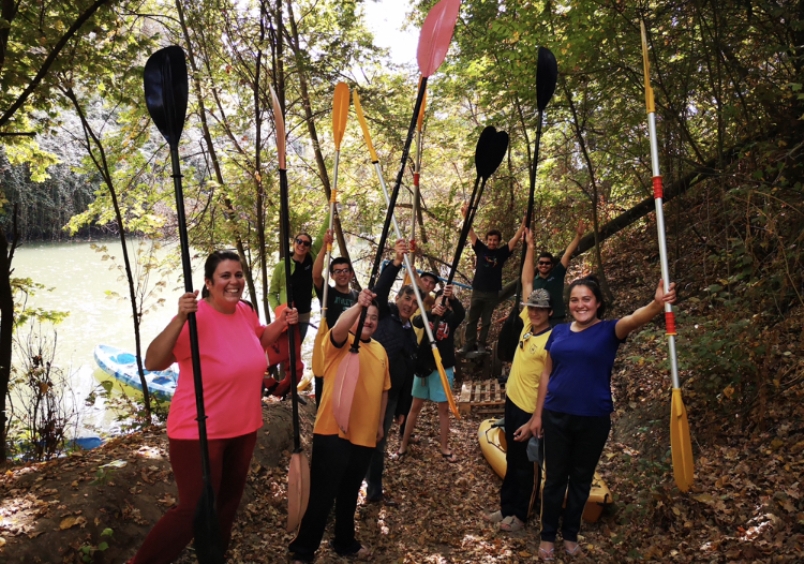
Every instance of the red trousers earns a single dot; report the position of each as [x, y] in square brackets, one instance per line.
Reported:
[229, 461]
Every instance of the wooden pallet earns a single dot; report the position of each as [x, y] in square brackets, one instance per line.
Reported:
[485, 397]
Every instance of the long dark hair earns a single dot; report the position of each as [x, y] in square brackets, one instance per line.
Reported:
[592, 283]
[211, 265]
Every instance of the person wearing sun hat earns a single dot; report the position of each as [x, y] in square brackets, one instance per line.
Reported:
[518, 494]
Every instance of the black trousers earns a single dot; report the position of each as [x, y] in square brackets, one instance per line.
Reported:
[376, 466]
[520, 487]
[572, 448]
[336, 473]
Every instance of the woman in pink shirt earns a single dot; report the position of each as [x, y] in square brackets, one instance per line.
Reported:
[232, 345]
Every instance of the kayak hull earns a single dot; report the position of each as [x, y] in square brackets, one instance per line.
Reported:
[122, 366]
[493, 446]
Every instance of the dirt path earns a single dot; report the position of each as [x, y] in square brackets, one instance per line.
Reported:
[745, 506]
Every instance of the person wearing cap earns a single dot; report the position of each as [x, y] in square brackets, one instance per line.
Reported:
[486, 284]
[426, 281]
[447, 315]
[550, 276]
[518, 494]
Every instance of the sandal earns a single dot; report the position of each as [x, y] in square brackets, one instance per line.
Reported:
[450, 457]
[546, 555]
[573, 550]
[511, 524]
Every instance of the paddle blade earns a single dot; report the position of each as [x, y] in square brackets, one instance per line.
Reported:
[344, 390]
[436, 35]
[318, 351]
[680, 443]
[490, 151]
[364, 126]
[646, 70]
[546, 77]
[207, 537]
[445, 382]
[279, 120]
[340, 113]
[298, 490]
[166, 91]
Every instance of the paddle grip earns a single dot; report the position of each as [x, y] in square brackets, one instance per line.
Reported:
[658, 191]
[670, 323]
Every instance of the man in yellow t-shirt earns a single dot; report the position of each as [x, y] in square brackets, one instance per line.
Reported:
[340, 460]
[520, 485]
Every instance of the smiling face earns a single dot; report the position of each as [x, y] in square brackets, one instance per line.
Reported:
[407, 304]
[226, 286]
[342, 276]
[544, 266]
[492, 241]
[301, 246]
[583, 304]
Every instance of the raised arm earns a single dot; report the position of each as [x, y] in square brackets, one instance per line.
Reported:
[472, 234]
[318, 265]
[388, 275]
[340, 331]
[318, 242]
[579, 231]
[159, 355]
[644, 314]
[527, 265]
[517, 236]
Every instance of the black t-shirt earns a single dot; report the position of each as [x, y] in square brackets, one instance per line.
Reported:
[302, 285]
[488, 272]
[337, 303]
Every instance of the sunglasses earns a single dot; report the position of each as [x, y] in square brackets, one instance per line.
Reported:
[341, 271]
[525, 337]
[545, 262]
[303, 242]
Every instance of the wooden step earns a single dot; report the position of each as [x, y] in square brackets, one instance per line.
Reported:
[486, 397]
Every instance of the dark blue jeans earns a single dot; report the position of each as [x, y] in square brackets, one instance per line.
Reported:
[336, 473]
[377, 465]
[572, 448]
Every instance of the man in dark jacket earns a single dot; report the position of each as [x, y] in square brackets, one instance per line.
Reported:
[395, 333]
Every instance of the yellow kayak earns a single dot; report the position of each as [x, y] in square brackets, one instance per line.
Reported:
[306, 381]
[492, 443]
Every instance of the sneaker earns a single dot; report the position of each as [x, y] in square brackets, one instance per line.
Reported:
[494, 517]
[481, 348]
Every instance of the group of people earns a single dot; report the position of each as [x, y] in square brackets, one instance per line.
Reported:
[558, 387]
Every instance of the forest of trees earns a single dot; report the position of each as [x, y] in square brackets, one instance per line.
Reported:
[77, 149]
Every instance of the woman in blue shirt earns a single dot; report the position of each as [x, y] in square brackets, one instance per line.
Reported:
[574, 404]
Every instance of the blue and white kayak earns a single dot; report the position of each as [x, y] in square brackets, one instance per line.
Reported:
[122, 365]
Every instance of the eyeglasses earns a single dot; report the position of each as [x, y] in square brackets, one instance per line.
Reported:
[545, 263]
[525, 337]
[303, 242]
[341, 271]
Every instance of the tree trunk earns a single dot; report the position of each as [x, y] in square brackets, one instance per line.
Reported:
[323, 175]
[6, 326]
